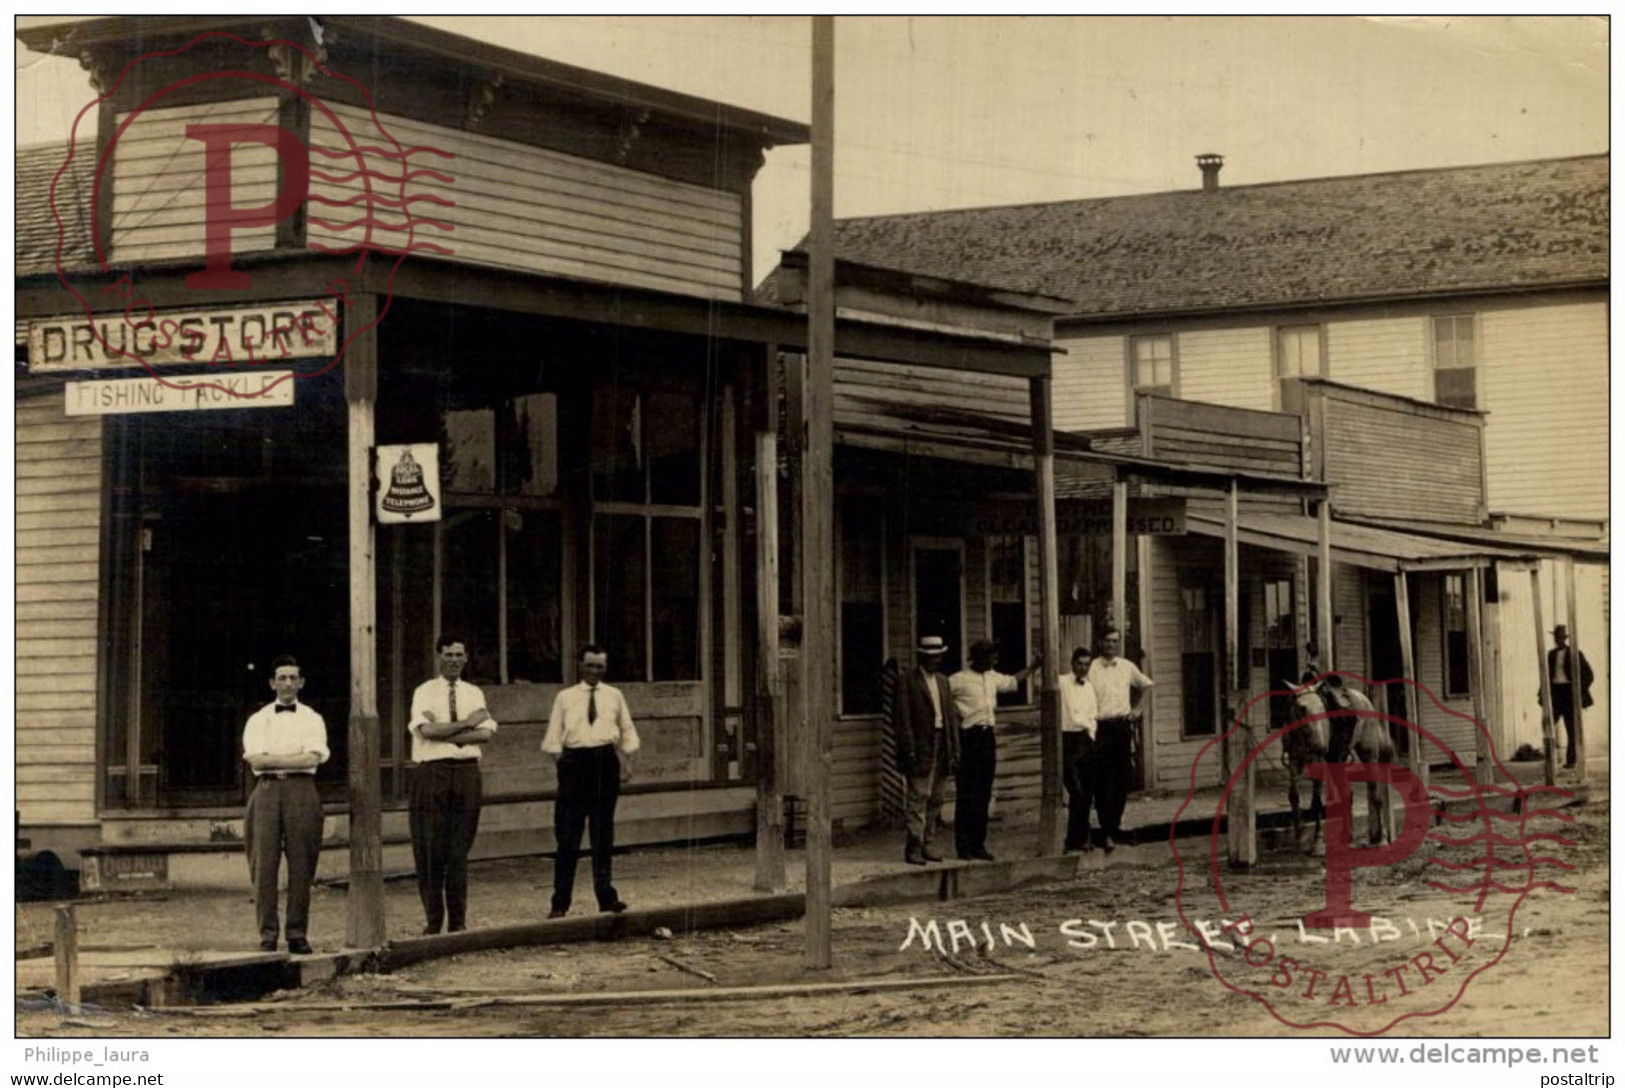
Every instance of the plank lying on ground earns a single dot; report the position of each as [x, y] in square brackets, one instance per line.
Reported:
[744, 993]
[688, 968]
[622, 997]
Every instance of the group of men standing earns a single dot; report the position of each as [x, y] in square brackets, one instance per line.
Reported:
[590, 734]
[945, 727]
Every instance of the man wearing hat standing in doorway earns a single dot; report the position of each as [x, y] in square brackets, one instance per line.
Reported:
[1562, 668]
[976, 692]
[926, 725]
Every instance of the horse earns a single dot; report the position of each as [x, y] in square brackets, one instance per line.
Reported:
[1354, 727]
[1306, 743]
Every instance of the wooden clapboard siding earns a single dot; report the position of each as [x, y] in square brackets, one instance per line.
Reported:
[1349, 613]
[1543, 378]
[57, 570]
[158, 181]
[1386, 354]
[1456, 733]
[855, 771]
[1227, 366]
[874, 395]
[1091, 384]
[1175, 755]
[1390, 458]
[523, 207]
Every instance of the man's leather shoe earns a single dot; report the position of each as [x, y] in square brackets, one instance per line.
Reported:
[431, 931]
[983, 855]
[267, 946]
[927, 855]
[616, 907]
[300, 948]
[456, 928]
[558, 912]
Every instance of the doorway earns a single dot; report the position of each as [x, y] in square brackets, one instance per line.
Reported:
[1383, 654]
[235, 526]
[939, 586]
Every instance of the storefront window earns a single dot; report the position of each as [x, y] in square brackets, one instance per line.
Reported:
[1007, 607]
[863, 635]
[647, 550]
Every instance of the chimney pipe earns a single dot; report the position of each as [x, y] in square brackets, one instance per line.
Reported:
[1210, 164]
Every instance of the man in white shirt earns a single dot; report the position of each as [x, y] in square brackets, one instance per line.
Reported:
[283, 744]
[449, 724]
[1078, 713]
[591, 735]
[1119, 686]
[976, 692]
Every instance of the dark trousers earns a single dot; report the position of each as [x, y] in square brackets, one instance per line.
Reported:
[1563, 708]
[284, 817]
[978, 759]
[1078, 776]
[444, 818]
[589, 786]
[1114, 757]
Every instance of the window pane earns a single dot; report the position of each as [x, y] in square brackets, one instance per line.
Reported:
[676, 598]
[1007, 590]
[535, 653]
[468, 594]
[619, 577]
[1153, 361]
[1298, 350]
[531, 445]
[862, 614]
[674, 448]
[470, 452]
[617, 444]
[1456, 388]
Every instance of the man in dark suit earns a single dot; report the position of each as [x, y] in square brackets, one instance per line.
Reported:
[1561, 668]
[927, 730]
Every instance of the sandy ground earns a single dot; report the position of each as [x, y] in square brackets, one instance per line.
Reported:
[1549, 979]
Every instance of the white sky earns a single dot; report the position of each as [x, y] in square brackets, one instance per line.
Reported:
[938, 112]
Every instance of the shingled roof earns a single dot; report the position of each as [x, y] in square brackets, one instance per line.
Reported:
[1372, 236]
[37, 232]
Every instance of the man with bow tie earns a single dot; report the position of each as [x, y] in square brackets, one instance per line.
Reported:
[449, 725]
[283, 744]
[591, 735]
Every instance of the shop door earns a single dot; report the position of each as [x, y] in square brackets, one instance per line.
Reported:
[1387, 663]
[938, 596]
[240, 529]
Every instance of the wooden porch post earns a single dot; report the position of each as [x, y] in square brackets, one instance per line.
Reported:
[1548, 720]
[1475, 675]
[1579, 753]
[1119, 618]
[1050, 825]
[818, 495]
[1325, 633]
[770, 717]
[364, 926]
[1407, 658]
[1240, 829]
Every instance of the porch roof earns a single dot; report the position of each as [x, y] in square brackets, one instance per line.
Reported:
[1359, 545]
[1593, 551]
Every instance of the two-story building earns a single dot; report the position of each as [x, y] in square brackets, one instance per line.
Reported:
[538, 272]
[1432, 344]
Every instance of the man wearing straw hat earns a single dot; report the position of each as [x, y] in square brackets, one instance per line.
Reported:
[1562, 668]
[926, 726]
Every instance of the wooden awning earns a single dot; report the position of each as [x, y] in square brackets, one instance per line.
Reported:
[1360, 545]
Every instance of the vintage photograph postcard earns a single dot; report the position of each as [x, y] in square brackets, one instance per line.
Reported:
[812, 527]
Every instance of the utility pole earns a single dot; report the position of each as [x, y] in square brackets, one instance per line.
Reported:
[818, 494]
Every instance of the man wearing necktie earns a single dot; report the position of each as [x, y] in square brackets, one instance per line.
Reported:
[283, 744]
[591, 735]
[449, 724]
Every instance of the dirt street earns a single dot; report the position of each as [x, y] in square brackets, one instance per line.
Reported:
[1108, 957]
